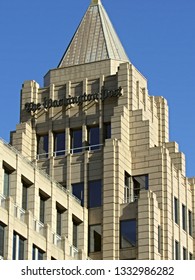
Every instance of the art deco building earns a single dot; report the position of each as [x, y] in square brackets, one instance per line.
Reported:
[90, 172]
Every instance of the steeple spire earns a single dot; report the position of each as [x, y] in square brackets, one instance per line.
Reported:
[94, 40]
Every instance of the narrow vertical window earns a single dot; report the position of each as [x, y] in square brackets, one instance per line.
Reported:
[184, 253]
[107, 130]
[127, 188]
[183, 217]
[95, 238]
[2, 236]
[76, 140]
[6, 183]
[75, 234]
[24, 195]
[42, 146]
[42, 209]
[59, 213]
[177, 253]
[94, 137]
[176, 210]
[95, 193]
[190, 222]
[59, 144]
[159, 239]
[190, 256]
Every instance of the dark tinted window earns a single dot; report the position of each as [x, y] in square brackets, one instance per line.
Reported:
[176, 210]
[94, 137]
[1, 240]
[76, 140]
[107, 130]
[42, 146]
[59, 144]
[95, 194]
[183, 217]
[78, 191]
[6, 183]
[128, 233]
[190, 222]
[95, 237]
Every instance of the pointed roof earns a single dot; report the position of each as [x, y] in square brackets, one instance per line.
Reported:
[95, 39]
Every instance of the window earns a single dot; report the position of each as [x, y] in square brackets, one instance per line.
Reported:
[18, 247]
[94, 137]
[6, 183]
[59, 213]
[176, 210]
[190, 256]
[184, 253]
[127, 188]
[159, 239]
[78, 191]
[107, 130]
[183, 217]
[2, 237]
[139, 183]
[37, 254]
[42, 209]
[59, 144]
[127, 233]
[24, 195]
[190, 222]
[76, 140]
[177, 253]
[95, 238]
[42, 146]
[95, 194]
[75, 234]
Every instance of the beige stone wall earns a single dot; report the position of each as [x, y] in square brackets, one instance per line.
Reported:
[26, 222]
[139, 145]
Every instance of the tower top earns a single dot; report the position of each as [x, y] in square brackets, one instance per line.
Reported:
[94, 40]
[95, 2]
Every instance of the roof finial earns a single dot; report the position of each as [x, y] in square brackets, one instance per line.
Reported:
[95, 2]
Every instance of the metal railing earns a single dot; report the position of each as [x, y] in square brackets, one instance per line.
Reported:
[57, 240]
[19, 213]
[70, 151]
[38, 169]
[2, 201]
[74, 252]
[38, 226]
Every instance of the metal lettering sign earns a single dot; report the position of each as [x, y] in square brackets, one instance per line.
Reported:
[50, 103]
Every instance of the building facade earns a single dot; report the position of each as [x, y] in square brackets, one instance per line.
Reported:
[90, 172]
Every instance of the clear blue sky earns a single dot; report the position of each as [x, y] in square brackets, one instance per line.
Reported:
[158, 36]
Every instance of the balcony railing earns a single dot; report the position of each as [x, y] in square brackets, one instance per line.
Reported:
[39, 227]
[57, 240]
[74, 252]
[33, 165]
[70, 151]
[2, 201]
[19, 213]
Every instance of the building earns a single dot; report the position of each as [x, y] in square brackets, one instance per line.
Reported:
[90, 172]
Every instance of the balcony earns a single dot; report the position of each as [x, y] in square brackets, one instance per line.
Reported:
[55, 154]
[2, 201]
[19, 213]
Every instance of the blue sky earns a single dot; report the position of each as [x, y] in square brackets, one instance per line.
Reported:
[158, 36]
